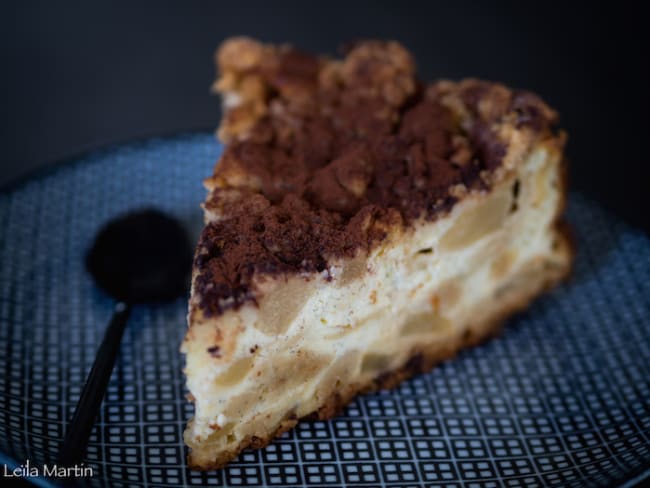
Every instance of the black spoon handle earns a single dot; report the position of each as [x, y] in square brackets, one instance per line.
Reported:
[76, 438]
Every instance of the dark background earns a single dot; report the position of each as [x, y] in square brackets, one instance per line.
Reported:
[77, 75]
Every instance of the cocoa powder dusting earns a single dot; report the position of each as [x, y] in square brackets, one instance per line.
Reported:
[339, 153]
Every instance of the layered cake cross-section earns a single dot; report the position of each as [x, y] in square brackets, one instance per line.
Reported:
[360, 227]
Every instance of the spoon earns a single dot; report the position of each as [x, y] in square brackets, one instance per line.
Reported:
[141, 257]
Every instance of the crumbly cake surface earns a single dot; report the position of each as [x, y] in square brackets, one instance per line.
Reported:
[325, 157]
[361, 226]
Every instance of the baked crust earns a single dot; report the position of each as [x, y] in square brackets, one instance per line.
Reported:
[296, 258]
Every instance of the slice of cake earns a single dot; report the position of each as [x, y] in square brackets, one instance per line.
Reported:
[361, 226]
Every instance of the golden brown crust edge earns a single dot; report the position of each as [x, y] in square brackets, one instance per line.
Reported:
[420, 361]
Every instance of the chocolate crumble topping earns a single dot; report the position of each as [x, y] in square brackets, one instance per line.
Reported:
[323, 158]
[214, 351]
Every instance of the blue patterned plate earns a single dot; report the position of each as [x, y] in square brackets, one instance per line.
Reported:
[562, 397]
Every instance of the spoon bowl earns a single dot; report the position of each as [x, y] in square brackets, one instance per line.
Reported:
[142, 257]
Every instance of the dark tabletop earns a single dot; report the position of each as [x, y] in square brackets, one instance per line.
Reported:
[77, 75]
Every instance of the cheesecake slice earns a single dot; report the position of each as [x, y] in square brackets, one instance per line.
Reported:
[360, 227]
